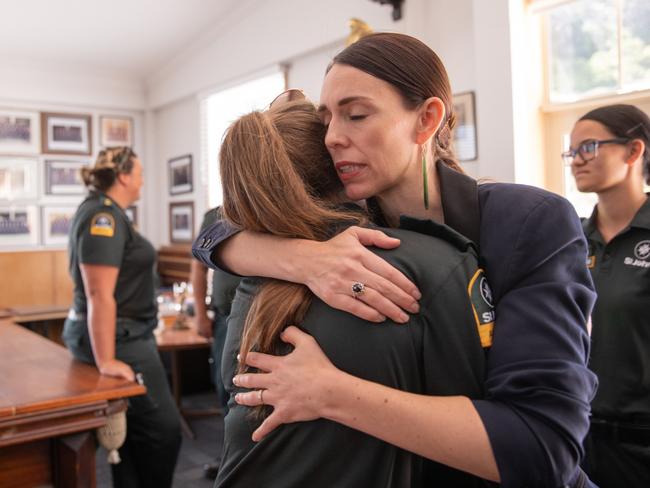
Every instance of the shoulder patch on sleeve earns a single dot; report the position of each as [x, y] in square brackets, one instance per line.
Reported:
[480, 296]
[102, 224]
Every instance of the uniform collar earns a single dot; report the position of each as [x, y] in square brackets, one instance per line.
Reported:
[642, 217]
[460, 204]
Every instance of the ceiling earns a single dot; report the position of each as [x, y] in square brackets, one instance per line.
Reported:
[130, 38]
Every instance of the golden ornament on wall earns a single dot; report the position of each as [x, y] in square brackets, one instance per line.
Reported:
[358, 29]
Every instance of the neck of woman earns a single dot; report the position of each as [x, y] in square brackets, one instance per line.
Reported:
[408, 199]
[118, 196]
[617, 207]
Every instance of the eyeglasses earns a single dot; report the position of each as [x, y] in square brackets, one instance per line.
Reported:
[290, 95]
[588, 150]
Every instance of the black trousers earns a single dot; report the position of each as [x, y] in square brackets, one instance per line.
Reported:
[153, 436]
[612, 463]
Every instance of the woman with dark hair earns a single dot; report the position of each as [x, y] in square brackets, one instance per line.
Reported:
[386, 103]
[114, 313]
[610, 156]
[262, 155]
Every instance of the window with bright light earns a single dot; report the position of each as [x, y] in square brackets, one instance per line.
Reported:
[220, 109]
[597, 47]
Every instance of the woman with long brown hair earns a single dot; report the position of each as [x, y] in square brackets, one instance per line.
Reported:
[386, 101]
[278, 179]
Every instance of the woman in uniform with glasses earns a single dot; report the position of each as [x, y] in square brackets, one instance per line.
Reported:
[114, 314]
[610, 156]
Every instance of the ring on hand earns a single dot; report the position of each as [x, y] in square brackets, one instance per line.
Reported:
[358, 289]
[261, 397]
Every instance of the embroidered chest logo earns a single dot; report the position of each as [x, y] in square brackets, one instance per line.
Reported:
[480, 296]
[641, 253]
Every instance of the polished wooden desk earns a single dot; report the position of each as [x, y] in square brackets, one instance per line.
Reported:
[50, 405]
[175, 341]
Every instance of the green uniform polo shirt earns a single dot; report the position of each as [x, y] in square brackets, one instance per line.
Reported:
[620, 352]
[101, 233]
[439, 352]
[224, 284]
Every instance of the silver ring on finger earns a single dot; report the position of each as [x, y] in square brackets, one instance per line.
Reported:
[261, 392]
[358, 289]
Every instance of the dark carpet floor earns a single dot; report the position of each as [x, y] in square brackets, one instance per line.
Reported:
[205, 448]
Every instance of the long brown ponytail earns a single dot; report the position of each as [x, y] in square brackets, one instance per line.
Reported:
[278, 178]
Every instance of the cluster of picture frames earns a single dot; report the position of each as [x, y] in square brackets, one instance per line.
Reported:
[41, 155]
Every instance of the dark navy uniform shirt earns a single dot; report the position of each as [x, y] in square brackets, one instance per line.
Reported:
[101, 233]
[538, 387]
[620, 351]
[438, 353]
[224, 284]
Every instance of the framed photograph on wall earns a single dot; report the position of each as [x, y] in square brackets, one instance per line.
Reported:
[115, 131]
[181, 222]
[180, 175]
[18, 225]
[20, 132]
[63, 177]
[465, 141]
[132, 213]
[66, 133]
[56, 224]
[18, 178]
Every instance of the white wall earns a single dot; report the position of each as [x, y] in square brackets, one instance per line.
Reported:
[69, 85]
[176, 132]
[257, 35]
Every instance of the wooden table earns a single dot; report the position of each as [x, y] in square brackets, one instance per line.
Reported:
[175, 341]
[47, 320]
[50, 406]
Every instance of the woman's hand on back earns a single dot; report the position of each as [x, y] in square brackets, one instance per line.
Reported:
[344, 260]
[295, 384]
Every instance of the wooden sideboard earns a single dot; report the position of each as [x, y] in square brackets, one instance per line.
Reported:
[50, 406]
[35, 278]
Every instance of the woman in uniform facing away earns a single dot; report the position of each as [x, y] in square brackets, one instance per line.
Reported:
[387, 105]
[278, 178]
[114, 314]
[610, 156]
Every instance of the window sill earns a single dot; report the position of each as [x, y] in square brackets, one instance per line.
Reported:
[611, 98]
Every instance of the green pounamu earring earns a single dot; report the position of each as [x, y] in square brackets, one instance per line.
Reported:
[425, 179]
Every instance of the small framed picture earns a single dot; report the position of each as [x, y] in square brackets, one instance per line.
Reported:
[18, 178]
[115, 131]
[56, 224]
[18, 226]
[180, 175]
[20, 132]
[63, 177]
[181, 222]
[66, 133]
[132, 213]
[465, 141]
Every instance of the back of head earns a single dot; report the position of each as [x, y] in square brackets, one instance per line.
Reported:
[627, 122]
[110, 162]
[415, 70]
[277, 175]
[278, 178]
